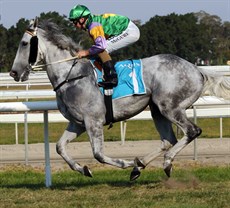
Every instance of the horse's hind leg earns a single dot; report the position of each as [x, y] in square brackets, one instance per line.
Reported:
[168, 139]
[190, 130]
[164, 127]
[69, 134]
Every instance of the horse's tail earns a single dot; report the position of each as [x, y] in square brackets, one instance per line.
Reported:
[215, 84]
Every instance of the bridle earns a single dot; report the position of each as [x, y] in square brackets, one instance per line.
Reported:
[35, 50]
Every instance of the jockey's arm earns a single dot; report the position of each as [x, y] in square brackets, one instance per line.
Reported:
[82, 53]
[97, 34]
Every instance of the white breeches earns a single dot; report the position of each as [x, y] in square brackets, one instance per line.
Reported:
[127, 37]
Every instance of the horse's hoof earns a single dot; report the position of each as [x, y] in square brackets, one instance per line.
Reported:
[87, 172]
[135, 173]
[139, 163]
[168, 169]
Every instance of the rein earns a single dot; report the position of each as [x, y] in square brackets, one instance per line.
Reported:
[67, 77]
[56, 62]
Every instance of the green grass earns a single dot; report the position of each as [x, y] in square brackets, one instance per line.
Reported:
[193, 187]
[136, 130]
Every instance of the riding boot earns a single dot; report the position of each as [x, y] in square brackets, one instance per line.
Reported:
[110, 75]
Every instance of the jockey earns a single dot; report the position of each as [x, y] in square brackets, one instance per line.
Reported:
[109, 32]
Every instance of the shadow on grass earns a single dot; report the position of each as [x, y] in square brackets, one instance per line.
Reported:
[70, 180]
[78, 185]
[118, 184]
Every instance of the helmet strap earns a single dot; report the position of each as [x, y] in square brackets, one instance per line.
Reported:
[82, 17]
[82, 23]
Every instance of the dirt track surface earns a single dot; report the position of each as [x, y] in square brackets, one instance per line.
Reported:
[209, 151]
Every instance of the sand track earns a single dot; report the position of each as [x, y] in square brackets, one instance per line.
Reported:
[209, 151]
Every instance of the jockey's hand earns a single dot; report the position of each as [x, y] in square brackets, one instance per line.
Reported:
[82, 53]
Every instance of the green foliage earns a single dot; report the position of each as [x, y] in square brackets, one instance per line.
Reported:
[193, 36]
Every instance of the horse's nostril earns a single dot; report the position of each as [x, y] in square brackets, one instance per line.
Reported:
[13, 73]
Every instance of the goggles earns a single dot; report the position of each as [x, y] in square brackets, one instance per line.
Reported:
[75, 21]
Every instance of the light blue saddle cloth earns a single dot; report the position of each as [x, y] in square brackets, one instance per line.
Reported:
[130, 79]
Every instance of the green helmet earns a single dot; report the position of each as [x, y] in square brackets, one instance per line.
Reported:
[78, 12]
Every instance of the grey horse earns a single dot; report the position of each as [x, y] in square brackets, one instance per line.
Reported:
[172, 85]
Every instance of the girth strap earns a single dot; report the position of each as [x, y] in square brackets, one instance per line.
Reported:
[109, 107]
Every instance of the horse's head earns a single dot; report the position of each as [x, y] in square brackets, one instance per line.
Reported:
[32, 52]
[27, 53]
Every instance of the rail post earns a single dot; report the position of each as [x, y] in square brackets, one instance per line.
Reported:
[195, 140]
[47, 150]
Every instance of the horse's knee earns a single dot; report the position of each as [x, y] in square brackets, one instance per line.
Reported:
[193, 133]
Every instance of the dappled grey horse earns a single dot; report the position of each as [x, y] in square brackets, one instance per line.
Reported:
[172, 86]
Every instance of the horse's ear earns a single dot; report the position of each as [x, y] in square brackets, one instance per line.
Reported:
[31, 23]
[35, 22]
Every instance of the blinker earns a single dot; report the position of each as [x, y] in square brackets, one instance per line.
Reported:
[33, 50]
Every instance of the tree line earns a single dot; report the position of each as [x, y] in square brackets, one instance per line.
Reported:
[200, 38]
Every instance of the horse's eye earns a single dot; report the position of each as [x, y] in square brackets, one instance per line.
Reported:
[24, 43]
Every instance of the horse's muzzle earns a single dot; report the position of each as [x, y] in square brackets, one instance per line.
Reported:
[21, 76]
[14, 74]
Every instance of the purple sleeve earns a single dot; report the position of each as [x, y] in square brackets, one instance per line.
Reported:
[97, 33]
[98, 47]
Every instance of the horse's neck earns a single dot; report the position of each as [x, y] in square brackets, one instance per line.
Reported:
[56, 72]
[59, 72]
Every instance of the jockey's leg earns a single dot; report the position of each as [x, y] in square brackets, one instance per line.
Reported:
[110, 75]
[126, 38]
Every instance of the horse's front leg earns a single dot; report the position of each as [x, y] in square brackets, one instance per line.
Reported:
[94, 129]
[69, 134]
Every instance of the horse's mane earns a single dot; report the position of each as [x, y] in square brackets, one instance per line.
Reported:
[54, 34]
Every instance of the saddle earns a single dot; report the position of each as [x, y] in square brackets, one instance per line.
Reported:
[130, 82]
